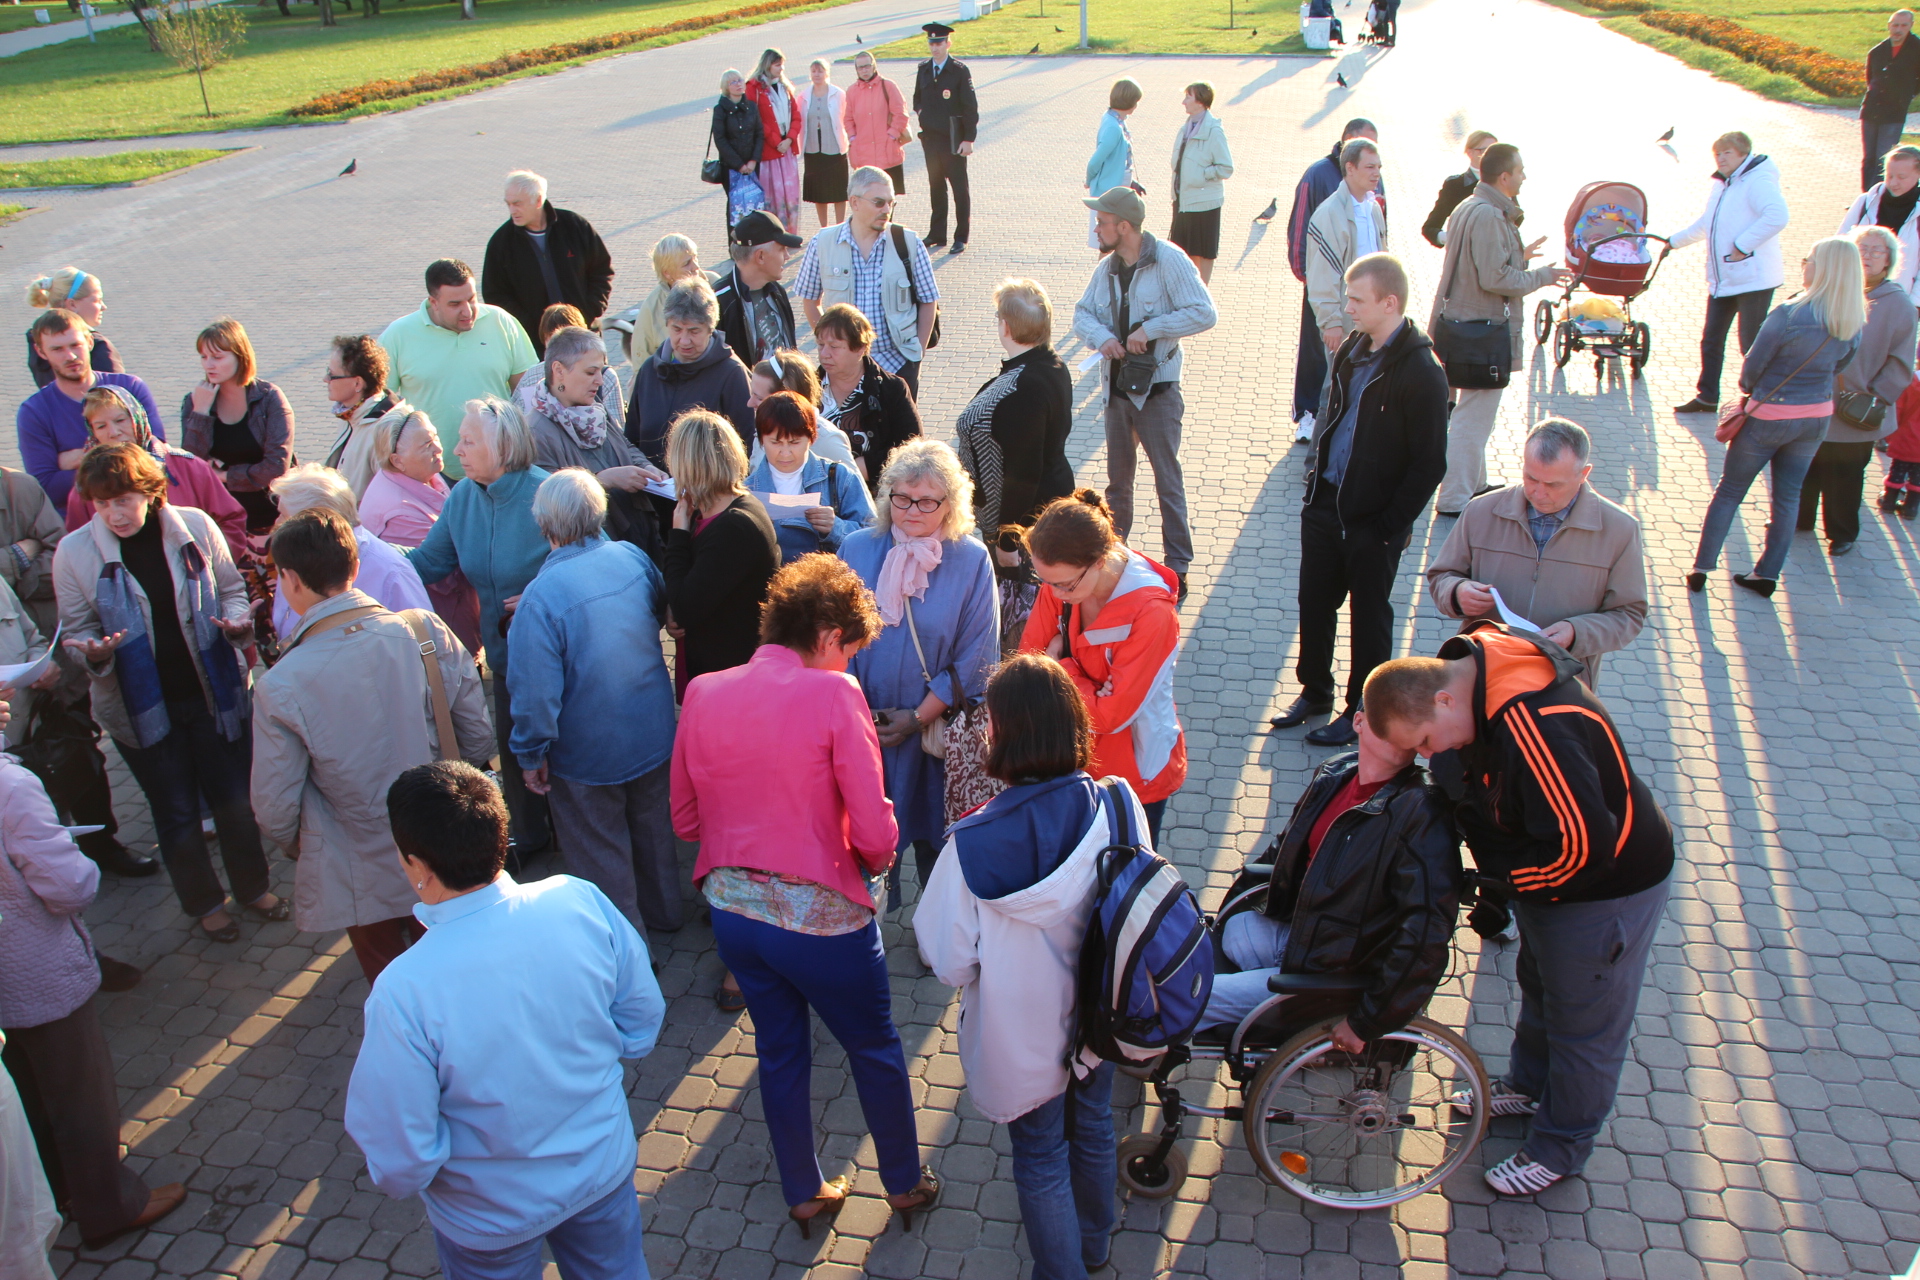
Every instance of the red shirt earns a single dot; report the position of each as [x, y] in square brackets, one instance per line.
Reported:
[1344, 799]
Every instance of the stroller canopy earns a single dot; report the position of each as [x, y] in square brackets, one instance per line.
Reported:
[1604, 209]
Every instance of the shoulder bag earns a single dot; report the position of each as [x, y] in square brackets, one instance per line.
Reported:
[1477, 354]
[1734, 414]
[712, 170]
[429, 658]
[899, 235]
[1861, 410]
[958, 737]
[1135, 375]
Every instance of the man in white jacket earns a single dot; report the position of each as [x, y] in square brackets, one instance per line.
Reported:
[1744, 217]
[1894, 204]
[1349, 224]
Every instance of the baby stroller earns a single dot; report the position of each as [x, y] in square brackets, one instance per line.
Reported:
[1608, 252]
[1350, 1131]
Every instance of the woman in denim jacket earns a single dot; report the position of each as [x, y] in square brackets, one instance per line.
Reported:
[1786, 385]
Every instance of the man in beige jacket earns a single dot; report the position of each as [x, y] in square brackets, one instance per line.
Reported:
[1560, 555]
[1484, 276]
[345, 711]
[1349, 224]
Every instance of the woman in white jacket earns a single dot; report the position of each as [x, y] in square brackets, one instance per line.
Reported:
[823, 141]
[1002, 917]
[1742, 224]
[1201, 166]
[1898, 199]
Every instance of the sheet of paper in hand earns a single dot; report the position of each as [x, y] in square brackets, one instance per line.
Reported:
[1511, 618]
[788, 506]
[18, 675]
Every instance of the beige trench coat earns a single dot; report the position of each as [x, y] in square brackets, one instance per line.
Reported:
[335, 721]
[1493, 279]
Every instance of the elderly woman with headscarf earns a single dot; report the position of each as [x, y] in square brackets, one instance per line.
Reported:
[573, 427]
[115, 416]
[933, 583]
[383, 572]
[356, 380]
[403, 502]
[486, 531]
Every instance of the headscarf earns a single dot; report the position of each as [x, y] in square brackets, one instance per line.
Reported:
[586, 423]
[904, 573]
[142, 429]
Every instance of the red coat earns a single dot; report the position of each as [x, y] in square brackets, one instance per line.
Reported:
[190, 483]
[770, 129]
[1904, 445]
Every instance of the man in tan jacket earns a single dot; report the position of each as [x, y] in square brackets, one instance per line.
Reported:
[346, 710]
[1484, 276]
[1561, 556]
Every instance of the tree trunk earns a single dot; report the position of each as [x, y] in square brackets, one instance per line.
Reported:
[370, 9]
[139, 11]
[326, 14]
[466, 8]
[284, 11]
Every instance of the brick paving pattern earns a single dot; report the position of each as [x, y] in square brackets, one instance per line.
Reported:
[1768, 1124]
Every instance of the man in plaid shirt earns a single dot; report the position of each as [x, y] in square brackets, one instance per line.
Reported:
[859, 261]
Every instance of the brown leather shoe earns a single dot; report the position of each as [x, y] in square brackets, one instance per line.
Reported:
[161, 1201]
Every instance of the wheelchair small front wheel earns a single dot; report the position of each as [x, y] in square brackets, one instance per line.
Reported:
[1141, 1174]
[1367, 1130]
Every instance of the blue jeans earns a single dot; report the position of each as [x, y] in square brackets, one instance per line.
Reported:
[601, 1242]
[1063, 1163]
[844, 979]
[1156, 813]
[1788, 446]
[1255, 942]
[1580, 968]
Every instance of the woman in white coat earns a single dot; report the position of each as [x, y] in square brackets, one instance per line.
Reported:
[1744, 217]
[823, 141]
[1201, 166]
[1002, 917]
[1896, 197]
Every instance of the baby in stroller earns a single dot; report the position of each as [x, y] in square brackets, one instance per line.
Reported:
[1365, 880]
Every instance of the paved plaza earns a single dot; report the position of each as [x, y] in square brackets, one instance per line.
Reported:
[1769, 1119]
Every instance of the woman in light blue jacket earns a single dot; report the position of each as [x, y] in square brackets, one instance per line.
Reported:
[1201, 166]
[789, 467]
[1111, 164]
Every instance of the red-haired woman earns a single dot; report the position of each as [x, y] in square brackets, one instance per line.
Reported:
[242, 425]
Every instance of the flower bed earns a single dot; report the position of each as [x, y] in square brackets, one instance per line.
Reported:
[506, 64]
[1820, 71]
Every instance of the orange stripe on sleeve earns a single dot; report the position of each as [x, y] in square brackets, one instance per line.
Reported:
[1559, 795]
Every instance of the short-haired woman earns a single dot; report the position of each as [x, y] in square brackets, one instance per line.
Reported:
[575, 423]
[115, 416]
[1201, 166]
[693, 369]
[675, 258]
[384, 572]
[242, 425]
[1455, 190]
[486, 532]
[404, 501]
[1003, 919]
[777, 775]
[875, 408]
[1108, 614]
[789, 370]
[1111, 164]
[933, 582]
[151, 602]
[789, 468]
[1882, 369]
[736, 133]
[80, 292]
[721, 551]
[465, 1093]
[774, 96]
[593, 703]
[824, 144]
[564, 315]
[1786, 385]
[1012, 437]
[356, 379]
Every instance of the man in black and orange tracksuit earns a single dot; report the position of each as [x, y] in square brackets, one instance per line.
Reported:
[1548, 803]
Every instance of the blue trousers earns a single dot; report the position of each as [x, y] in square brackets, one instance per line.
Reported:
[844, 980]
[1787, 445]
[601, 1242]
[1581, 965]
[1256, 943]
[1063, 1162]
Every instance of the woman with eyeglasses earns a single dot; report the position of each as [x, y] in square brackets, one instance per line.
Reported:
[933, 583]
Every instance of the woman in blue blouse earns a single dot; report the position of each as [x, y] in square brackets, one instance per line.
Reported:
[788, 427]
[1111, 164]
[932, 579]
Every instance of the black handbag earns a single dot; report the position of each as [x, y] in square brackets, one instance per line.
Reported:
[1477, 354]
[62, 749]
[1134, 377]
[1861, 410]
[713, 171]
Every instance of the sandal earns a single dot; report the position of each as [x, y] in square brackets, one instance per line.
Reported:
[825, 1208]
[923, 1196]
[730, 999]
[228, 932]
[280, 910]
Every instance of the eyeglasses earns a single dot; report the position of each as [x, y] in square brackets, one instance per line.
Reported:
[1061, 588]
[925, 506]
[330, 377]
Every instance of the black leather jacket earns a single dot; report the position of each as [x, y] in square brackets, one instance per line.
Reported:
[1379, 898]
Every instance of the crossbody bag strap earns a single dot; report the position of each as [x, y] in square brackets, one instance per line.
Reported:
[436, 682]
[898, 234]
[1782, 384]
[346, 617]
[907, 604]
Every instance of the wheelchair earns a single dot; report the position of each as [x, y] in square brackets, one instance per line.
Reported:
[1349, 1131]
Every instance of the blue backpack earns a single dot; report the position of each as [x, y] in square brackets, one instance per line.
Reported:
[1146, 969]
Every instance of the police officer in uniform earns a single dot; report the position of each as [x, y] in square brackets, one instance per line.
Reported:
[949, 116]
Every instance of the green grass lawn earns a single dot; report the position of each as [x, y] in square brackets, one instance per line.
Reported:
[7, 211]
[117, 88]
[19, 17]
[1126, 26]
[101, 171]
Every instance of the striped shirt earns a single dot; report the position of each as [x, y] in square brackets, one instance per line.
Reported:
[868, 277]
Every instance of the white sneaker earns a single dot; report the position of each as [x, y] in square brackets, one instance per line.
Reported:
[1503, 1100]
[1303, 429]
[1512, 932]
[1519, 1176]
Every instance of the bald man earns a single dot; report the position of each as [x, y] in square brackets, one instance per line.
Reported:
[1893, 77]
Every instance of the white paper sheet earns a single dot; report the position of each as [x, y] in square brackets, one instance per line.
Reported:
[1509, 617]
[1089, 362]
[77, 832]
[665, 488]
[18, 675]
[792, 500]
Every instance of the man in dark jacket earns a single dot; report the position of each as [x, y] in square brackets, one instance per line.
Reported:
[949, 118]
[1365, 881]
[1377, 458]
[542, 255]
[1546, 800]
[1893, 77]
[1315, 185]
[755, 316]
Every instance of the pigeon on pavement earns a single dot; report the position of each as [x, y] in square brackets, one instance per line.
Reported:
[857, 39]
[1665, 137]
[1340, 79]
[353, 166]
[1266, 214]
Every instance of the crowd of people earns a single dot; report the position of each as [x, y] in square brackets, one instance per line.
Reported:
[749, 601]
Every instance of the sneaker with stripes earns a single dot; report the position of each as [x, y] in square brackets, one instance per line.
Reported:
[1519, 1176]
[1504, 1100]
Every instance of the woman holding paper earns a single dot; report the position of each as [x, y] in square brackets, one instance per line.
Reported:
[814, 503]
[573, 426]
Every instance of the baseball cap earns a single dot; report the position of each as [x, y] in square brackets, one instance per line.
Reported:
[763, 228]
[1123, 203]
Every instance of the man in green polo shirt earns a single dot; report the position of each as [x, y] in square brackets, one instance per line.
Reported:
[455, 348]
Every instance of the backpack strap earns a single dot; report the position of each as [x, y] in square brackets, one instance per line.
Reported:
[436, 682]
[333, 622]
[898, 234]
[1120, 830]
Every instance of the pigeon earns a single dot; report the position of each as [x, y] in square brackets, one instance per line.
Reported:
[1339, 79]
[1056, 28]
[353, 167]
[857, 39]
[1266, 214]
[1033, 51]
[1665, 137]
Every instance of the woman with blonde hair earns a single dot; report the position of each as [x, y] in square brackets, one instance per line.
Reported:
[1455, 190]
[933, 583]
[721, 551]
[403, 502]
[822, 111]
[1012, 436]
[241, 425]
[1786, 386]
[780, 122]
[72, 289]
[736, 137]
[675, 258]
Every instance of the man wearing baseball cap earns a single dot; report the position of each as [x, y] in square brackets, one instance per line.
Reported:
[1144, 297]
[756, 318]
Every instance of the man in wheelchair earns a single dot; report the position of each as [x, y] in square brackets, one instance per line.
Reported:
[1364, 880]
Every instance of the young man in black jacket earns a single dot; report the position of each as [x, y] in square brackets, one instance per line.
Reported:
[1378, 455]
[756, 317]
[542, 255]
[1546, 800]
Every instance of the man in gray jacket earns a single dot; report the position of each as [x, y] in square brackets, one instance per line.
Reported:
[1143, 298]
[346, 710]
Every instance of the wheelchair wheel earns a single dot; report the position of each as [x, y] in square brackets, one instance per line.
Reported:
[1542, 322]
[1369, 1130]
[1142, 1175]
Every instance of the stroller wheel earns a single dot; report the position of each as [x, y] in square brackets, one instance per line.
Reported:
[1542, 321]
[1641, 347]
[1144, 1176]
[1564, 343]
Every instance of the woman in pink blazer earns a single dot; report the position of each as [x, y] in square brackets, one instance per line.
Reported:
[776, 774]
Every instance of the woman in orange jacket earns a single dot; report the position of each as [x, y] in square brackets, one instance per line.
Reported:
[1108, 614]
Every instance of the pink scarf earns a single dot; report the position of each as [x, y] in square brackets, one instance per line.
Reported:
[904, 573]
